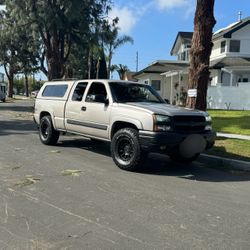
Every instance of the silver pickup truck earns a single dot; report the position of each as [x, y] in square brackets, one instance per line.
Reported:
[132, 116]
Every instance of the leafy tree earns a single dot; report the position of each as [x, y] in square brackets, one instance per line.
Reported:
[62, 38]
[200, 53]
[18, 48]
[59, 24]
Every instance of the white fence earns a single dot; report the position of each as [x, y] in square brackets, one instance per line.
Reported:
[226, 97]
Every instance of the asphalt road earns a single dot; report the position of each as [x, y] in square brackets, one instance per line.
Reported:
[46, 205]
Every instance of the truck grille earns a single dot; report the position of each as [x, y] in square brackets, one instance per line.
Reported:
[189, 124]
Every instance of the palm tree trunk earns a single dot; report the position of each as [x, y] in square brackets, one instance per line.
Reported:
[109, 61]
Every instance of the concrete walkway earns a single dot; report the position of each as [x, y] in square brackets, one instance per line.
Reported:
[234, 136]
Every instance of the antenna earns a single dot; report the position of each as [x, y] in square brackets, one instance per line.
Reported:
[239, 16]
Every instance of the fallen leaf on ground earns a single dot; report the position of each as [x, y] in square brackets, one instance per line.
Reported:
[18, 149]
[73, 172]
[55, 151]
[28, 180]
[15, 168]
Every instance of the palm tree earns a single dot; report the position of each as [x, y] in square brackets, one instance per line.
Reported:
[112, 40]
[121, 70]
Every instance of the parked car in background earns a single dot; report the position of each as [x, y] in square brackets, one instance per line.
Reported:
[2, 92]
[34, 93]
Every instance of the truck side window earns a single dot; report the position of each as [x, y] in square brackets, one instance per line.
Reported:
[79, 91]
[97, 93]
[58, 90]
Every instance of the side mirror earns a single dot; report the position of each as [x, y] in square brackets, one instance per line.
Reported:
[101, 99]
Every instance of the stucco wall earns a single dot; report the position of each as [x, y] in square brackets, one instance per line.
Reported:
[221, 97]
[216, 50]
[147, 78]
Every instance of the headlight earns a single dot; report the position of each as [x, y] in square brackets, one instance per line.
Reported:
[162, 123]
[208, 118]
[208, 123]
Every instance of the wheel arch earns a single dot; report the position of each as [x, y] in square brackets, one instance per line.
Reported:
[46, 113]
[117, 125]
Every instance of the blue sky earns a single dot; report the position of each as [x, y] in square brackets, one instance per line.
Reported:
[154, 24]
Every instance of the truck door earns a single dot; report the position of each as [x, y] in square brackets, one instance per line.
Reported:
[73, 112]
[92, 114]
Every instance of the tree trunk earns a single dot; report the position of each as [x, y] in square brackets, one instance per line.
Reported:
[200, 53]
[26, 85]
[89, 63]
[109, 61]
[55, 67]
[11, 84]
[10, 75]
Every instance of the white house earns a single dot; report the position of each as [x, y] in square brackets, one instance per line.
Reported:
[229, 85]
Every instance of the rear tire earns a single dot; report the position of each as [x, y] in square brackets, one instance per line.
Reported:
[126, 151]
[48, 135]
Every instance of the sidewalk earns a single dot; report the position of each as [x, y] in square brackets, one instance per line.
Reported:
[234, 136]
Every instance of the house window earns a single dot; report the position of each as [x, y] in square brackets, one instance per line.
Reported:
[234, 46]
[223, 47]
[156, 84]
[183, 56]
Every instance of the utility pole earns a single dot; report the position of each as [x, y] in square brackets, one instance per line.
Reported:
[137, 61]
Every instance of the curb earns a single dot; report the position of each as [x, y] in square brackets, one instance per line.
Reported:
[225, 163]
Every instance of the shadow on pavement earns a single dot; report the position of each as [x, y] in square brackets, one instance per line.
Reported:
[162, 165]
[17, 108]
[17, 127]
[98, 147]
[193, 172]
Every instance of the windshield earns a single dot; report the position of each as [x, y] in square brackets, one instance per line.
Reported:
[133, 92]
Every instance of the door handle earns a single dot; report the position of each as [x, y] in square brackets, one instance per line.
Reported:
[83, 108]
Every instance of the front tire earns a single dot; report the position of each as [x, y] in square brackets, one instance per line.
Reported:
[48, 135]
[125, 149]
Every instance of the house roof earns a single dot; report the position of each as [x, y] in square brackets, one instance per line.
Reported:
[162, 66]
[230, 29]
[184, 37]
[230, 62]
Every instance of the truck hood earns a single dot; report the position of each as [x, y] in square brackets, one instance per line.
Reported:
[166, 109]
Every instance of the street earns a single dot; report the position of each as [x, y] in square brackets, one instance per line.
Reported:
[72, 196]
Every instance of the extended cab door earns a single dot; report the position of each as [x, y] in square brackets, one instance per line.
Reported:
[91, 115]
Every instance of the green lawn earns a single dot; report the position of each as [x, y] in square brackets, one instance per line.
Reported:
[233, 122]
[231, 148]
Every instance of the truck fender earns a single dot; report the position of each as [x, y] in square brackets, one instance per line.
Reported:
[132, 121]
[48, 112]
